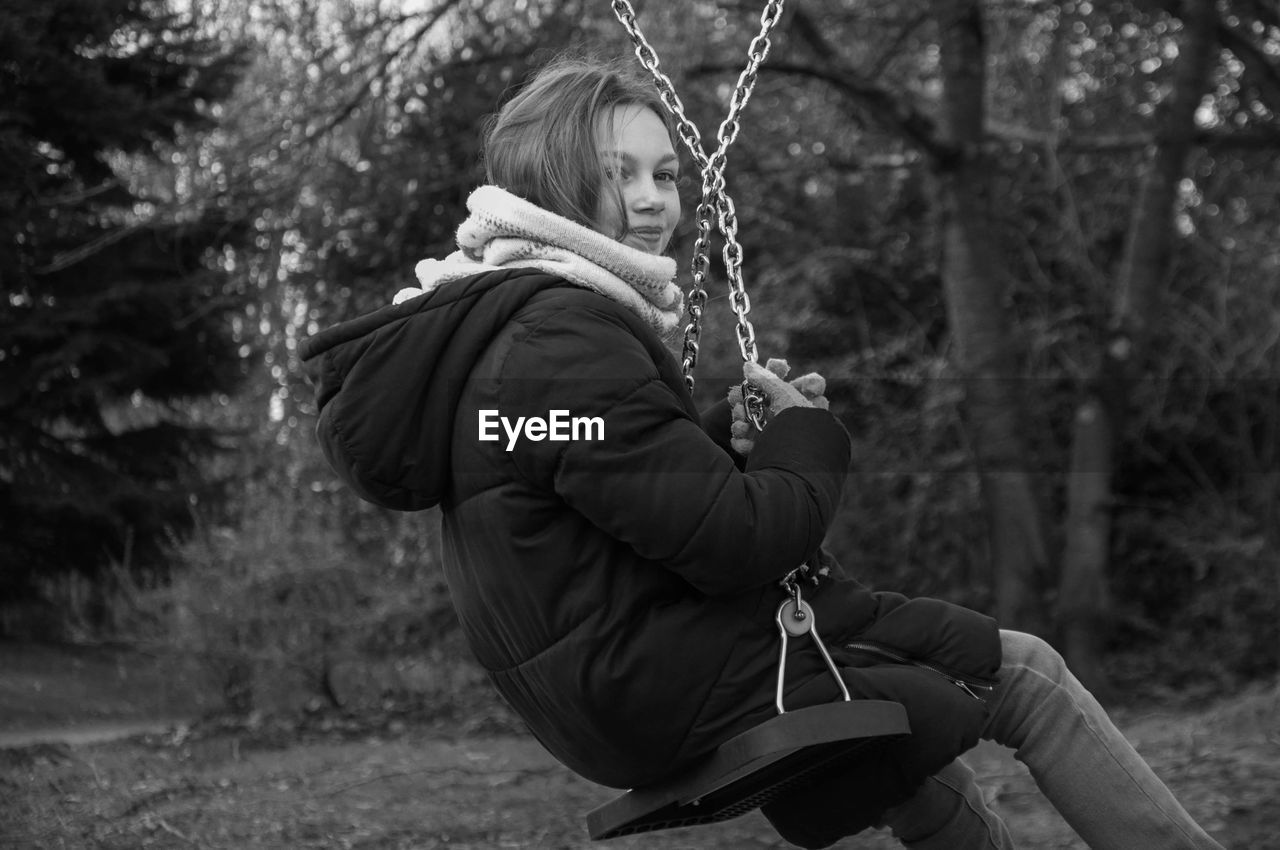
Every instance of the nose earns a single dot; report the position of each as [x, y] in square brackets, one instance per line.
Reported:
[646, 196]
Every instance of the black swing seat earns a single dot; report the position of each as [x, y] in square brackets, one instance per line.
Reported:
[752, 768]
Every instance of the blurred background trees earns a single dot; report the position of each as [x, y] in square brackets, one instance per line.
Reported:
[112, 320]
[1031, 244]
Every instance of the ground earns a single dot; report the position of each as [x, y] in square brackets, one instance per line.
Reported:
[335, 783]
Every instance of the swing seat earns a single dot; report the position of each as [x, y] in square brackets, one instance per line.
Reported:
[752, 768]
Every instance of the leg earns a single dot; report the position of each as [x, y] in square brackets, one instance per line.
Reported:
[948, 813]
[1091, 774]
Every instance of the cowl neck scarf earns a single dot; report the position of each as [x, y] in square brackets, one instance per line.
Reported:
[504, 231]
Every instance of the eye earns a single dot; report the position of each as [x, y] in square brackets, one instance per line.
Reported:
[667, 177]
[615, 172]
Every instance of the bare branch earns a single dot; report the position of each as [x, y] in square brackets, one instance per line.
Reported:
[889, 108]
[66, 259]
[891, 52]
[1239, 141]
[1217, 140]
[881, 105]
[79, 195]
[1051, 138]
[380, 73]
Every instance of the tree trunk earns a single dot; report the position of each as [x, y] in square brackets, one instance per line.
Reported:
[1084, 601]
[1085, 610]
[986, 356]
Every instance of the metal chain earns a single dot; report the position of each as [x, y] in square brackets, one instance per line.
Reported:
[715, 200]
[794, 616]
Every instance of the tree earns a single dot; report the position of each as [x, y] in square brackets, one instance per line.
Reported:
[1066, 151]
[934, 200]
[1085, 604]
[110, 318]
[350, 147]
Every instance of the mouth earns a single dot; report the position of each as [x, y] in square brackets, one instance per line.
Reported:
[649, 237]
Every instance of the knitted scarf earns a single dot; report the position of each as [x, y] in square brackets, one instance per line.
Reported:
[505, 231]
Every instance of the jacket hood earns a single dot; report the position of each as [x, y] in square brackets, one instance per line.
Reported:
[388, 383]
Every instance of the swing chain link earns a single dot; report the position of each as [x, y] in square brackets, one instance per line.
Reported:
[803, 573]
[715, 201]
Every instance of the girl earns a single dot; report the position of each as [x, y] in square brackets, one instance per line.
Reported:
[618, 580]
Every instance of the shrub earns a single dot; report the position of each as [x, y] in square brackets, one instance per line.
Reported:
[1197, 595]
[289, 608]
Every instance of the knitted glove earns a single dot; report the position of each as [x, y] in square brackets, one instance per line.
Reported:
[805, 391]
[813, 387]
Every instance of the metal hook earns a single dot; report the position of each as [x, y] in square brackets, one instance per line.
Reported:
[795, 618]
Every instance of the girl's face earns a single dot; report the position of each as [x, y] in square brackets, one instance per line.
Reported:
[642, 168]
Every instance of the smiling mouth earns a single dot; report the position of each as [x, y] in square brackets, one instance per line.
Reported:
[650, 236]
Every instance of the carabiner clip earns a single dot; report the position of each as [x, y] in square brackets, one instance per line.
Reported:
[795, 618]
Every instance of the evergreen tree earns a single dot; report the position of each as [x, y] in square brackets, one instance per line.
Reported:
[111, 323]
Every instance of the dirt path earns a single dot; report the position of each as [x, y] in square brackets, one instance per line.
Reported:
[431, 788]
[406, 787]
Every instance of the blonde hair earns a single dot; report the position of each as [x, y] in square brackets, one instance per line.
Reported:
[542, 144]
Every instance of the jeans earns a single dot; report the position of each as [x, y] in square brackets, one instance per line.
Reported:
[1083, 765]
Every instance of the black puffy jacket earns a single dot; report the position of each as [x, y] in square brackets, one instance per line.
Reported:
[620, 588]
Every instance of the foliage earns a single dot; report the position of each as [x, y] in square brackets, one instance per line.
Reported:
[110, 321]
[844, 253]
[306, 597]
[1198, 602]
[838, 216]
[347, 148]
[350, 146]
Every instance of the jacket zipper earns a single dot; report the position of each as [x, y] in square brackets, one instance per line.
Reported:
[966, 686]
